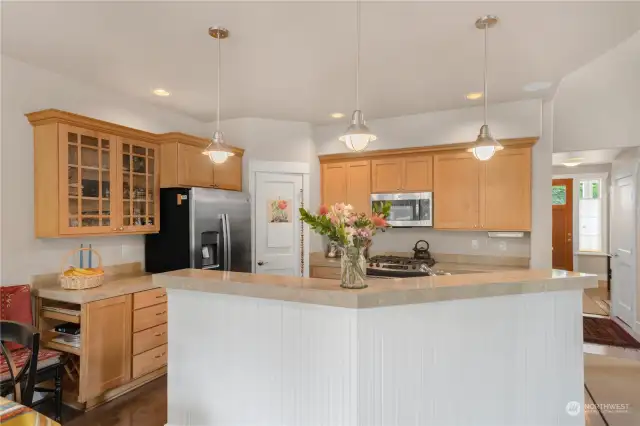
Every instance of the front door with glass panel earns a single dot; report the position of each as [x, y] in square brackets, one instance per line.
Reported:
[562, 228]
[86, 176]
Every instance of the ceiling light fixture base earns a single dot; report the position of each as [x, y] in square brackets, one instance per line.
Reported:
[488, 20]
[218, 32]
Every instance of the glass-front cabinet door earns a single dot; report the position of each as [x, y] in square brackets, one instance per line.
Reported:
[140, 185]
[86, 181]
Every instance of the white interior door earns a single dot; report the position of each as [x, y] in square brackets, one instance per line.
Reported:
[277, 223]
[623, 248]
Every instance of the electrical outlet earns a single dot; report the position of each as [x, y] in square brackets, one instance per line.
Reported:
[475, 244]
[502, 246]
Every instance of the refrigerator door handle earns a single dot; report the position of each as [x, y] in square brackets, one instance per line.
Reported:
[227, 242]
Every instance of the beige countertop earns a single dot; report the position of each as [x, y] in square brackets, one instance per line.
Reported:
[449, 263]
[381, 292]
[112, 287]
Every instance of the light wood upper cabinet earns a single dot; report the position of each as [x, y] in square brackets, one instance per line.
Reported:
[194, 168]
[139, 182]
[456, 194]
[228, 175]
[417, 173]
[347, 182]
[184, 165]
[493, 195]
[87, 174]
[402, 174]
[386, 175]
[106, 346]
[359, 185]
[505, 183]
[334, 183]
[90, 180]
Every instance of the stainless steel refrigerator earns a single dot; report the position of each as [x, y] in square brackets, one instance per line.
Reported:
[203, 229]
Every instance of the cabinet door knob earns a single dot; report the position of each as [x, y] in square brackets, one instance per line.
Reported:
[115, 229]
[121, 228]
[260, 263]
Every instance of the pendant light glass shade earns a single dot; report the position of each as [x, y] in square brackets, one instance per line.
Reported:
[358, 135]
[217, 150]
[485, 145]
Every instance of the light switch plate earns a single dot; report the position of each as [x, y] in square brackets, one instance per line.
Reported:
[475, 245]
[502, 246]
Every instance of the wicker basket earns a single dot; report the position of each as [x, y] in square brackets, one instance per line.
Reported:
[84, 281]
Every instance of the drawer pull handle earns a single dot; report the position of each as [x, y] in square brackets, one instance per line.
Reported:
[161, 313]
[160, 334]
[161, 296]
[159, 356]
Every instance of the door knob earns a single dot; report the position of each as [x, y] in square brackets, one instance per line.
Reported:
[260, 263]
[121, 228]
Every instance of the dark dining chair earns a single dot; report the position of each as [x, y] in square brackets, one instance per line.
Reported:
[22, 368]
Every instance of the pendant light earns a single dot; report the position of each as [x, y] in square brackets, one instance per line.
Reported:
[358, 135]
[485, 145]
[218, 151]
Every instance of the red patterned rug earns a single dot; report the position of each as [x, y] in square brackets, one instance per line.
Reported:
[604, 331]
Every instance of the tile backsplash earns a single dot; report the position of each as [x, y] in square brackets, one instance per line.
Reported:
[453, 242]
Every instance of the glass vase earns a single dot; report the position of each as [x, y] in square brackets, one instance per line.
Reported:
[353, 268]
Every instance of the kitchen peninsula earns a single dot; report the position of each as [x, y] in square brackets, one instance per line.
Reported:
[498, 348]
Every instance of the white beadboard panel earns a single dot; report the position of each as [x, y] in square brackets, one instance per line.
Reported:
[245, 361]
[511, 360]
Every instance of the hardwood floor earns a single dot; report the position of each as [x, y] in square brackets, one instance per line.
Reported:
[145, 406]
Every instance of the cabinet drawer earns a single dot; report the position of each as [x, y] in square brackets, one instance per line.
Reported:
[149, 317]
[149, 338]
[149, 361]
[325, 272]
[149, 298]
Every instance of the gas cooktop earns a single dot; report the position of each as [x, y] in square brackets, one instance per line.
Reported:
[399, 266]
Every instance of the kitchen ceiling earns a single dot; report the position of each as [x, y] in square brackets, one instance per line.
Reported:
[295, 61]
[595, 156]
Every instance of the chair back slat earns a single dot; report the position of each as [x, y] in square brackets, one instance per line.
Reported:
[23, 381]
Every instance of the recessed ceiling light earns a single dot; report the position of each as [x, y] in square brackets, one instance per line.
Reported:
[474, 95]
[536, 85]
[572, 162]
[161, 92]
[337, 115]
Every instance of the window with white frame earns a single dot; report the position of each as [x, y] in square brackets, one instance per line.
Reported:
[590, 215]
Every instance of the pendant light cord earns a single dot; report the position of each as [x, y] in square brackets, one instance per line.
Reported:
[218, 109]
[358, 55]
[486, 96]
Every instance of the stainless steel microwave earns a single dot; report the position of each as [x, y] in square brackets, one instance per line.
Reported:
[407, 209]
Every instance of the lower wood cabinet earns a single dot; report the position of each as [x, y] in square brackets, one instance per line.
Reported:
[149, 361]
[106, 346]
[327, 272]
[123, 338]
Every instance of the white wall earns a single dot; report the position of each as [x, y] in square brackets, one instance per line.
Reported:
[275, 140]
[25, 89]
[598, 105]
[507, 120]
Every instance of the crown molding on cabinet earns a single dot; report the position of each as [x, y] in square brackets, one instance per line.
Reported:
[54, 115]
[191, 140]
[47, 116]
[514, 142]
